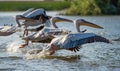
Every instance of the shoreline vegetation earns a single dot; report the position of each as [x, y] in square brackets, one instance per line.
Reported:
[24, 5]
[94, 7]
[67, 7]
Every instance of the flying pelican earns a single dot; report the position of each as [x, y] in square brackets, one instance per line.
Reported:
[37, 12]
[32, 18]
[77, 23]
[8, 30]
[44, 36]
[72, 42]
[19, 17]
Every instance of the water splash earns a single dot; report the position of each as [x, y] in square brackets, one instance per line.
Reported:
[14, 48]
[35, 54]
[39, 54]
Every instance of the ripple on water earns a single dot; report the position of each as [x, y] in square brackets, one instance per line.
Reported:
[7, 69]
[93, 57]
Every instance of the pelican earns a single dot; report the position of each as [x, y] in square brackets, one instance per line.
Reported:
[44, 36]
[32, 18]
[31, 15]
[77, 23]
[19, 17]
[72, 42]
[8, 30]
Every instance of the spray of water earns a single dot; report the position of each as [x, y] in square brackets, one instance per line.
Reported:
[14, 48]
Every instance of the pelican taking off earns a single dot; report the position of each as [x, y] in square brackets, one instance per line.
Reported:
[32, 17]
[72, 42]
[77, 23]
[44, 36]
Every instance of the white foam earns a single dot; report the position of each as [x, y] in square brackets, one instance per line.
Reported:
[14, 48]
[35, 54]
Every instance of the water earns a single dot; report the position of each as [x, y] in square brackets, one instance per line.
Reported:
[92, 57]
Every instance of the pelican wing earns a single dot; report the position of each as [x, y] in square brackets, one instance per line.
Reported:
[5, 33]
[7, 30]
[37, 29]
[36, 12]
[27, 12]
[42, 38]
[45, 35]
[73, 41]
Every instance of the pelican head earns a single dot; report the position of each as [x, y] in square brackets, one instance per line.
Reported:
[54, 20]
[82, 22]
[77, 23]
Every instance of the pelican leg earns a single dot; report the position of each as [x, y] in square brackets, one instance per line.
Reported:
[23, 45]
[41, 19]
[52, 49]
[25, 32]
[26, 41]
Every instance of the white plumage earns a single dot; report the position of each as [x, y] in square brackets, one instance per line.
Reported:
[45, 35]
[7, 30]
[28, 11]
[25, 13]
[29, 15]
[33, 18]
[36, 13]
[74, 41]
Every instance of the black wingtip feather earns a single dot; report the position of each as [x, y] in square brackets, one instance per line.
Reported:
[98, 39]
[40, 28]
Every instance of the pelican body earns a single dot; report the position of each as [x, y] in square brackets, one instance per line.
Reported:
[32, 18]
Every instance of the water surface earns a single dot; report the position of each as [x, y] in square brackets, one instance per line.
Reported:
[92, 57]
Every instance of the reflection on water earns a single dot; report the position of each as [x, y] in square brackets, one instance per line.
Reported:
[92, 57]
[35, 54]
[71, 58]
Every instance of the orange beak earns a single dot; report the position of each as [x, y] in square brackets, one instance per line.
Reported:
[23, 46]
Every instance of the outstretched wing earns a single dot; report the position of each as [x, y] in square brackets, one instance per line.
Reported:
[45, 35]
[7, 30]
[73, 41]
[36, 12]
[27, 12]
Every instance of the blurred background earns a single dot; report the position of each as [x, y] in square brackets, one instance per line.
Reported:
[68, 7]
